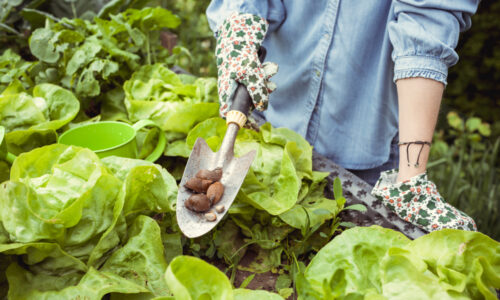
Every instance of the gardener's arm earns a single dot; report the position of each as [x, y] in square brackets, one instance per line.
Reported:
[409, 193]
[424, 35]
[419, 100]
[240, 27]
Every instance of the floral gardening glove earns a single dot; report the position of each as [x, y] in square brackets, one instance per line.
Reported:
[239, 39]
[417, 201]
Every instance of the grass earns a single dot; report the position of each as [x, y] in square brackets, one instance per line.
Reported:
[467, 173]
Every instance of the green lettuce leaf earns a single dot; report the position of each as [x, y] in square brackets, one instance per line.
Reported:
[64, 211]
[12, 68]
[112, 106]
[349, 266]
[141, 259]
[451, 263]
[211, 130]
[280, 194]
[313, 209]
[192, 278]
[61, 194]
[113, 235]
[172, 244]
[377, 263]
[21, 141]
[4, 166]
[42, 45]
[282, 161]
[151, 18]
[65, 195]
[148, 186]
[154, 92]
[62, 105]
[22, 111]
[177, 148]
[46, 256]
[147, 189]
[302, 149]
[93, 285]
[31, 120]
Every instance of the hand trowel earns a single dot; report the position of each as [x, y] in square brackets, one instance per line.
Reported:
[234, 169]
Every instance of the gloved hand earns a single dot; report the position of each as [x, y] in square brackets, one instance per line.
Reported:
[417, 201]
[239, 38]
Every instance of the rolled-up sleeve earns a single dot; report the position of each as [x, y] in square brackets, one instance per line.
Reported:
[424, 35]
[271, 10]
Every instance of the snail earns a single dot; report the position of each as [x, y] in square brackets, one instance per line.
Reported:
[214, 175]
[208, 191]
[214, 192]
[198, 185]
[198, 203]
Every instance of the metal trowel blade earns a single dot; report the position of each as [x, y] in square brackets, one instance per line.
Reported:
[234, 170]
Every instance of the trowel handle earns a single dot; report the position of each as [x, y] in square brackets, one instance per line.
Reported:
[242, 100]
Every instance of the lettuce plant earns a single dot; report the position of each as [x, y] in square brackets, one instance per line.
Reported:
[72, 225]
[175, 103]
[31, 119]
[281, 208]
[378, 263]
[191, 278]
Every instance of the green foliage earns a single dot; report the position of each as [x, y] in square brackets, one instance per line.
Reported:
[115, 6]
[92, 58]
[13, 25]
[144, 247]
[191, 278]
[281, 180]
[72, 225]
[13, 67]
[93, 285]
[465, 166]
[68, 214]
[378, 263]
[175, 103]
[196, 36]
[18, 18]
[473, 82]
[31, 120]
[280, 213]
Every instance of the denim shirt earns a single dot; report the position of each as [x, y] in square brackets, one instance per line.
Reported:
[339, 60]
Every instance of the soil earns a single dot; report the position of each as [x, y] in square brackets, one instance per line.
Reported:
[262, 281]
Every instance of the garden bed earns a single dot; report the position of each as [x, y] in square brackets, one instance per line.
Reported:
[73, 225]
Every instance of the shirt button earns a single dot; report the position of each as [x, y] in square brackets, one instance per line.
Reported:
[326, 35]
[318, 73]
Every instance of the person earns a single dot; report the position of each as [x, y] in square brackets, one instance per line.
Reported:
[362, 81]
